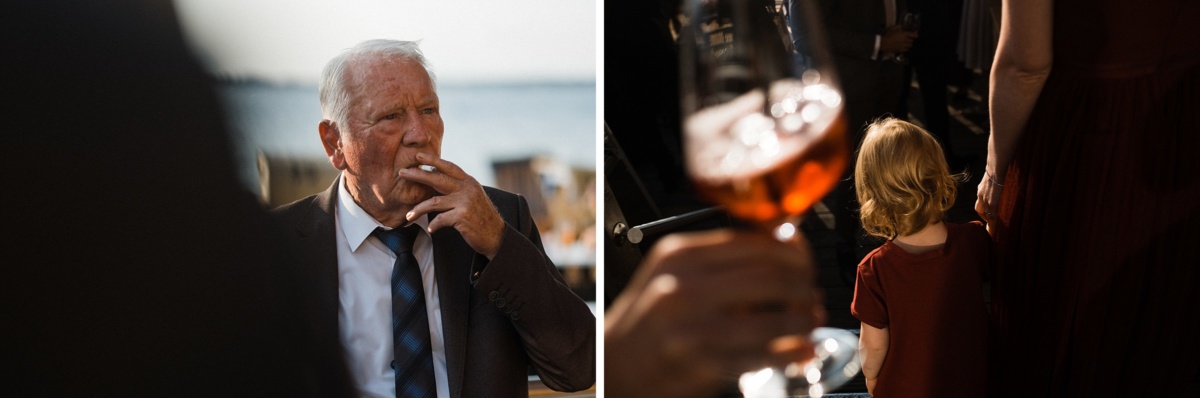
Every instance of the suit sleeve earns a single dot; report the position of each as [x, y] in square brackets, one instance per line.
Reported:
[556, 327]
[842, 39]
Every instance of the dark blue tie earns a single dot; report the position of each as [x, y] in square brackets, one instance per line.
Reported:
[413, 360]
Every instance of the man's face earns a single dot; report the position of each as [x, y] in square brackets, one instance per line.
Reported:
[393, 115]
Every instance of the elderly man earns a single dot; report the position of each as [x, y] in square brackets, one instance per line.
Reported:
[462, 303]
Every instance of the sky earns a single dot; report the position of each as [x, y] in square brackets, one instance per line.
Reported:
[289, 41]
[467, 43]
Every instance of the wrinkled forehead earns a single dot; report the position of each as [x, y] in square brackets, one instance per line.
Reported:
[386, 72]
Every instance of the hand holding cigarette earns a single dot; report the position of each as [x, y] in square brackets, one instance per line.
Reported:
[462, 205]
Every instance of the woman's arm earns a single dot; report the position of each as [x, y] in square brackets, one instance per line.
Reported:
[1024, 56]
[872, 347]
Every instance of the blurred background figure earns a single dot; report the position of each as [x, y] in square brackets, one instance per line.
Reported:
[934, 68]
[979, 30]
[137, 264]
[1092, 191]
[866, 39]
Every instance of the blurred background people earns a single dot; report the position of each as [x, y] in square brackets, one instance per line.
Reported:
[978, 32]
[935, 67]
[865, 38]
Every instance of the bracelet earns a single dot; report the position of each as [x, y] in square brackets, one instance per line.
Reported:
[992, 179]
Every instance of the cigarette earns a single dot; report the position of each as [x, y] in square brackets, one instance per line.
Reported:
[428, 168]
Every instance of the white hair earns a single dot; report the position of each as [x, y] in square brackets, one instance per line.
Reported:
[336, 84]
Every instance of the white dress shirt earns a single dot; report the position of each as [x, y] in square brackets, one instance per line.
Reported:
[365, 298]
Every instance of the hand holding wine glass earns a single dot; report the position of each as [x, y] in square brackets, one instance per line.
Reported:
[907, 30]
[687, 314]
[764, 136]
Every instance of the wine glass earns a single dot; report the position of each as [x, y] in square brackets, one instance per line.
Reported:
[764, 137]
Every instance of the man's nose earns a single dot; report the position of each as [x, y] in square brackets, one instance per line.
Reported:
[416, 134]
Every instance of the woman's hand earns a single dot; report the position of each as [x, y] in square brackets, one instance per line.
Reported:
[987, 202]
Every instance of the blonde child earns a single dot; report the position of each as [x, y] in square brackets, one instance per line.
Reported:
[919, 296]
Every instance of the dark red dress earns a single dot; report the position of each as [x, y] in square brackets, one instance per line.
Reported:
[1097, 292]
[933, 306]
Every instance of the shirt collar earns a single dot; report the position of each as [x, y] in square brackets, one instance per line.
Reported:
[356, 224]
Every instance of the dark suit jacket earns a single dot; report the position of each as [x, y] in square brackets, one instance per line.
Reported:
[497, 316]
[871, 87]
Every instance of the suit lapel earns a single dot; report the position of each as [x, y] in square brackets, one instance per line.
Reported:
[317, 246]
[452, 259]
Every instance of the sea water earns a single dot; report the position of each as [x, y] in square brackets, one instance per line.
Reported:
[484, 123]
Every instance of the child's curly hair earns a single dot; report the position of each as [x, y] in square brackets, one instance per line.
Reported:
[901, 179]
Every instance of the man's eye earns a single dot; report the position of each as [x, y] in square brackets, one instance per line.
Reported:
[392, 116]
[429, 111]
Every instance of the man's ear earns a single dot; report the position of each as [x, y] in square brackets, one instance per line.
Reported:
[331, 139]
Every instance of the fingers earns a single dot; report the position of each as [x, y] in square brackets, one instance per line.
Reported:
[981, 206]
[447, 177]
[716, 250]
[708, 306]
[735, 295]
[751, 287]
[462, 205]
[754, 333]
[442, 165]
[714, 311]
[725, 272]
[908, 39]
[898, 42]
[723, 268]
[739, 340]
[985, 201]
[739, 344]
[441, 203]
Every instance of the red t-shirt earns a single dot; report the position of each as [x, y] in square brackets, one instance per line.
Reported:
[933, 306]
